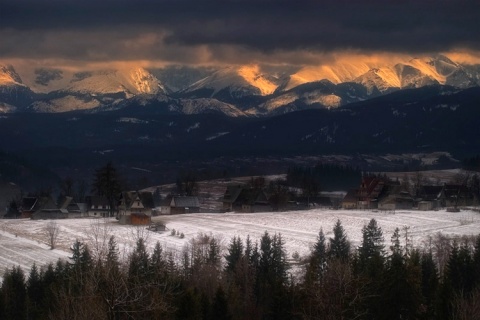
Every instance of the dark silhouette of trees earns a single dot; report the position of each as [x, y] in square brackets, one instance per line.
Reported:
[187, 183]
[107, 183]
[254, 282]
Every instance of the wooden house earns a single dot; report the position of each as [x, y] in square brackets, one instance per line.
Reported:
[430, 198]
[230, 197]
[184, 204]
[135, 208]
[28, 206]
[369, 192]
[49, 210]
[245, 199]
[98, 206]
[350, 200]
[396, 200]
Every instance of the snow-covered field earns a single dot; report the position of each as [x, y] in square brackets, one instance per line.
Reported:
[23, 242]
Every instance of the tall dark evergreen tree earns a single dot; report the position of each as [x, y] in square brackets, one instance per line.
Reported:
[14, 294]
[339, 244]
[235, 253]
[139, 262]
[400, 296]
[34, 288]
[371, 251]
[107, 183]
[318, 259]
[429, 283]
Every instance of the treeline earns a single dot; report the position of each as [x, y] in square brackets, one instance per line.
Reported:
[327, 177]
[253, 280]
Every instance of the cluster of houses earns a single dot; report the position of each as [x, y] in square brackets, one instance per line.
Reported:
[137, 208]
[384, 194]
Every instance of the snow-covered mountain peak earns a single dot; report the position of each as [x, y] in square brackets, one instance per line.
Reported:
[255, 78]
[8, 76]
[145, 82]
[236, 79]
[130, 81]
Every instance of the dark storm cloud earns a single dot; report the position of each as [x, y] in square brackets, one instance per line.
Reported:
[101, 29]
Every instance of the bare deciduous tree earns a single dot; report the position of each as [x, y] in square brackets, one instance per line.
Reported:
[98, 232]
[52, 230]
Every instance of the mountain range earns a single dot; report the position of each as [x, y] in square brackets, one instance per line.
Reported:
[235, 91]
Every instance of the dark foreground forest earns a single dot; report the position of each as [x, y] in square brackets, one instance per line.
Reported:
[254, 280]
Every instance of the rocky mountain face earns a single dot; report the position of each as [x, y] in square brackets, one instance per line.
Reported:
[248, 90]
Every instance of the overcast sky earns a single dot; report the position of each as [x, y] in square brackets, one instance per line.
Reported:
[214, 32]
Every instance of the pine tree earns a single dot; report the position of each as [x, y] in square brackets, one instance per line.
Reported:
[14, 294]
[112, 260]
[279, 260]
[400, 295]
[157, 262]
[429, 282]
[235, 253]
[318, 260]
[371, 252]
[34, 293]
[139, 262]
[107, 183]
[213, 257]
[339, 245]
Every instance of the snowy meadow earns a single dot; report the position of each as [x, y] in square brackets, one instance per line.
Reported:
[24, 242]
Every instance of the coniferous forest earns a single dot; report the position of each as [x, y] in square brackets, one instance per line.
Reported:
[385, 277]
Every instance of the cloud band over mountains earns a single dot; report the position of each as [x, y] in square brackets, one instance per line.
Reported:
[187, 31]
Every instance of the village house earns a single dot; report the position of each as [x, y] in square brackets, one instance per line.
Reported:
[369, 192]
[350, 200]
[367, 196]
[98, 206]
[49, 210]
[135, 208]
[430, 198]
[184, 204]
[244, 199]
[396, 199]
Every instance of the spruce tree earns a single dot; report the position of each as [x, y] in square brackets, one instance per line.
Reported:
[34, 293]
[107, 183]
[400, 296]
[339, 244]
[279, 260]
[235, 253]
[139, 262]
[371, 251]
[14, 294]
[430, 282]
[157, 262]
[318, 260]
